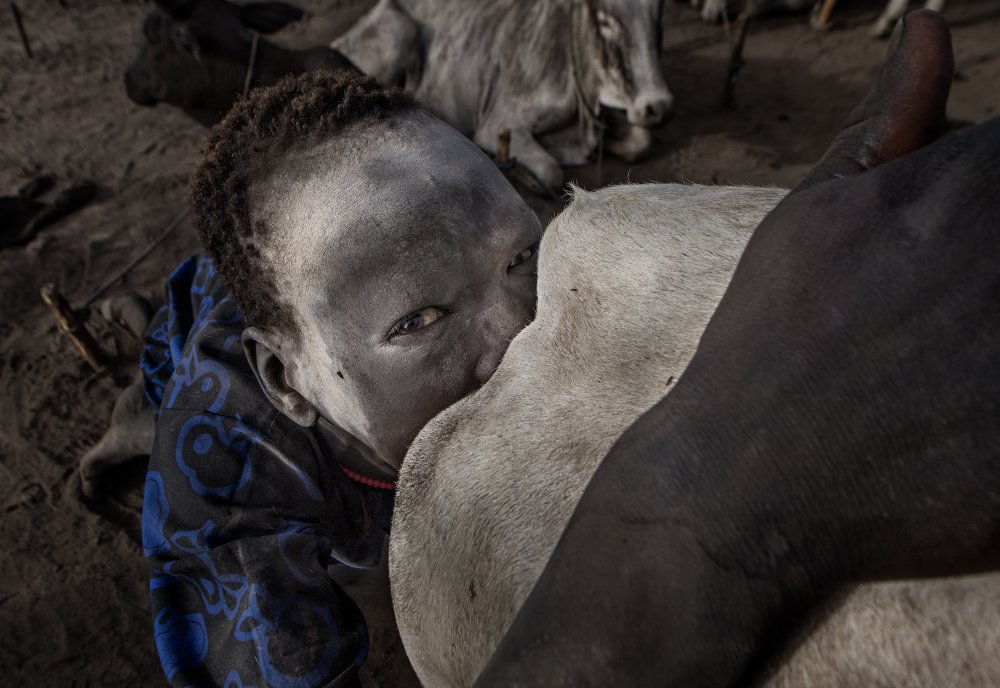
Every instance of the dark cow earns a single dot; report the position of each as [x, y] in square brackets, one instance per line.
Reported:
[837, 423]
[200, 55]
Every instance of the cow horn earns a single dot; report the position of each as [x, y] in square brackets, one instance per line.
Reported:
[177, 9]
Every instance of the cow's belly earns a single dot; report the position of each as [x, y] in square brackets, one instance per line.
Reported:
[626, 286]
[628, 278]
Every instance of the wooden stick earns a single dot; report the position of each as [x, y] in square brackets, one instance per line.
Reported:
[72, 326]
[736, 60]
[503, 147]
[138, 259]
[821, 14]
[20, 28]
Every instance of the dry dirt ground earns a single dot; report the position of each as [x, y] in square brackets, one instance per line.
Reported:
[73, 604]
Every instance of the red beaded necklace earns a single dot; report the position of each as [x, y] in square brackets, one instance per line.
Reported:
[365, 480]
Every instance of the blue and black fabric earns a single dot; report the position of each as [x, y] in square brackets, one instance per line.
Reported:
[243, 513]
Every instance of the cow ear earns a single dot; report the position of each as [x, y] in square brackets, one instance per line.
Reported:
[268, 17]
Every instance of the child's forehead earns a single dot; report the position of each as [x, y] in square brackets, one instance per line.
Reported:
[374, 163]
[377, 178]
[384, 232]
[385, 208]
[408, 138]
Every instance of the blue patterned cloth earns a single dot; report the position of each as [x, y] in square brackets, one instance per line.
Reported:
[243, 513]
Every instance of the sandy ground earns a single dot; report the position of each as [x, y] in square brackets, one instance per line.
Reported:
[73, 604]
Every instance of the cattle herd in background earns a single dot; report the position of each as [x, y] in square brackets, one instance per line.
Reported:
[584, 78]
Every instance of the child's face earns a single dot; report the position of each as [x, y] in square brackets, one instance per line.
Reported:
[410, 263]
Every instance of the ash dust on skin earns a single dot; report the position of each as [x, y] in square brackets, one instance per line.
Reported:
[73, 595]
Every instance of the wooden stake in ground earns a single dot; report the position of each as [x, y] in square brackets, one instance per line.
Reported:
[20, 29]
[138, 259]
[72, 326]
[820, 17]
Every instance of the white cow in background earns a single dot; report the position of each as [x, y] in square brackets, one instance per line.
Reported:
[540, 68]
[628, 278]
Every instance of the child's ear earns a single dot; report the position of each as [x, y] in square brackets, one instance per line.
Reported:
[264, 352]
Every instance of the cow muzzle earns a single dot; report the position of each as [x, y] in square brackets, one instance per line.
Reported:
[652, 111]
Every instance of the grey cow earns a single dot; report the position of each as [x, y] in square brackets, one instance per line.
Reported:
[541, 68]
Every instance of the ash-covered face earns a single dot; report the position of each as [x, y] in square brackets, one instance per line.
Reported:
[408, 263]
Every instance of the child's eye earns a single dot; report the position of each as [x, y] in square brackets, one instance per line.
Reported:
[523, 257]
[417, 320]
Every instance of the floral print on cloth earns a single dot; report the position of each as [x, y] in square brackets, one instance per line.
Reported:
[243, 513]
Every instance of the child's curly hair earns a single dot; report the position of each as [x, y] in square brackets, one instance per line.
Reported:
[269, 121]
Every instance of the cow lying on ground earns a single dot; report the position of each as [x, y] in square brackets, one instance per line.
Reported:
[542, 69]
[133, 424]
[628, 278]
[200, 55]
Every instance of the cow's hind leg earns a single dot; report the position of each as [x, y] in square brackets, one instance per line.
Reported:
[130, 434]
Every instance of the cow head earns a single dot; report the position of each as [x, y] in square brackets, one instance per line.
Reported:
[196, 53]
[626, 37]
